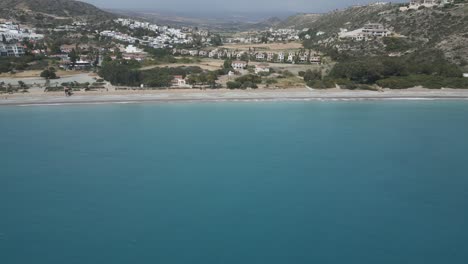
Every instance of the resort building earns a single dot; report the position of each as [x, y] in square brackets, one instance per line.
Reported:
[11, 50]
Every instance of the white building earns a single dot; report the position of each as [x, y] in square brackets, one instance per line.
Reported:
[11, 50]
[375, 29]
[179, 82]
[133, 49]
[239, 65]
[263, 67]
[14, 32]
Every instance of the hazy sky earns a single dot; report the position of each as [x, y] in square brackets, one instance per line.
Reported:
[208, 6]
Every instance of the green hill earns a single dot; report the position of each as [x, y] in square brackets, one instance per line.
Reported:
[39, 11]
[442, 28]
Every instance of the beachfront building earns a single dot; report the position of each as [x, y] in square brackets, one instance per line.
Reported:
[179, 82]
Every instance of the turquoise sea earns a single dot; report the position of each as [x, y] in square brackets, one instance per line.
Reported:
[235, 182]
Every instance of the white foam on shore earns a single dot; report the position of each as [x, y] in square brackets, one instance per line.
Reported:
[272, 99]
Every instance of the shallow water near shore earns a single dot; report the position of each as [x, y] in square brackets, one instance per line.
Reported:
[235, 182]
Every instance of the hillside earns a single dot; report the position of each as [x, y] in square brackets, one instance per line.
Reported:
[443, 28]
[299, 21]
[36, 11]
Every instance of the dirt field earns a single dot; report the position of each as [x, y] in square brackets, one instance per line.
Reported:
[207, 64]
[31, 74]
[294, 68]
[270, 46]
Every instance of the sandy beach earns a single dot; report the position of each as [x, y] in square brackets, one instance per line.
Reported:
[136, 96]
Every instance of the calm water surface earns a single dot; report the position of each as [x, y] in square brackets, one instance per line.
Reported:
[302, 182]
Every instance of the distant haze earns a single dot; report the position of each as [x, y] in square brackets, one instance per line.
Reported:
[205, 7]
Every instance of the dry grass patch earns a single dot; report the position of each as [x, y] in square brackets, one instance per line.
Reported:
[269, 46]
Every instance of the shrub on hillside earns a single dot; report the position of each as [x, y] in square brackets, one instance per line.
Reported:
[234, 85]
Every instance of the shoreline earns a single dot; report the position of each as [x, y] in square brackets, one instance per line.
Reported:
[223, 95]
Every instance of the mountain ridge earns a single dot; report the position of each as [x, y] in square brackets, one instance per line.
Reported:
[34, 10]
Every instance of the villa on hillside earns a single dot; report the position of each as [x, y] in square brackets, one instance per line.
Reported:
[369, 31]
[375, 29]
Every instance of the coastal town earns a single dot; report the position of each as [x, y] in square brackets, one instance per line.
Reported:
[130, 53]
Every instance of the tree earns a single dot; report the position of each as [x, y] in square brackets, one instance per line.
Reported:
[227, 64]
[49, 74]
[73, 55]
[22, 84]
[118, 54]
[244, 57]
[310, 75]
[234, 85]
[211, 79]
[216, 40]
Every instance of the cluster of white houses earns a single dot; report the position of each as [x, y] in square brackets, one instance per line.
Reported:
[288, 57]
[369, 31]
[166, 37]
[129, 52]
[10, 35]
[10, 31]
[416, 4]
[272, 35]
